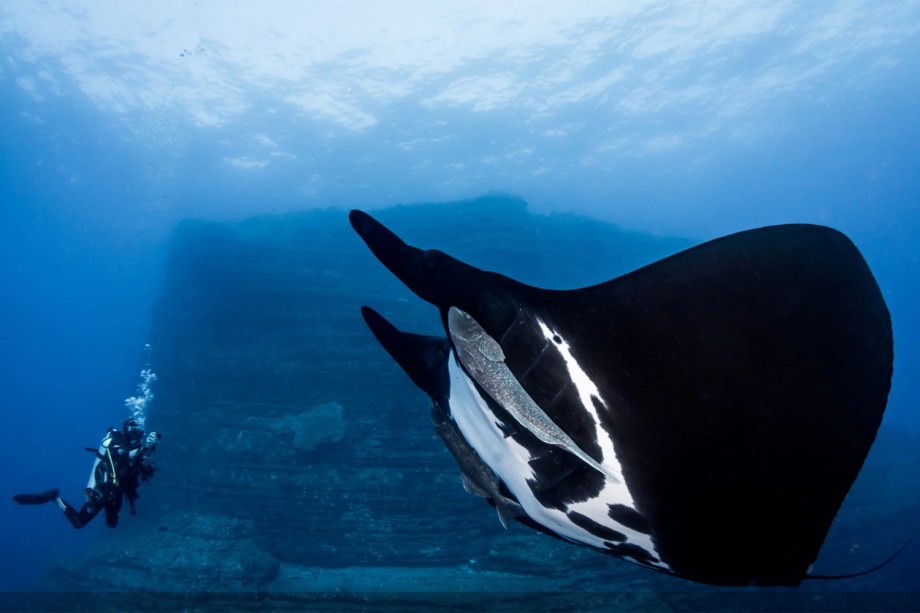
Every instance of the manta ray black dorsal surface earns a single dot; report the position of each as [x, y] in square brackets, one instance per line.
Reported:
[704, 416]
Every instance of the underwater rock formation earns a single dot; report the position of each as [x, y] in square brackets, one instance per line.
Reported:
[185, 552]
[257, 321]
[292, 443]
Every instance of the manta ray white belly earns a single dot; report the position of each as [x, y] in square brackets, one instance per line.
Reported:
[510, 462]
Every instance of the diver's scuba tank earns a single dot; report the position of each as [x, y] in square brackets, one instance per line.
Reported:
[103, 471]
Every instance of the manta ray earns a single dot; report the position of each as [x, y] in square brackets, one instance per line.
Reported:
[703, 416]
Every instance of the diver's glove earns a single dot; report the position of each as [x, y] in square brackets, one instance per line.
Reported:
[151, 441]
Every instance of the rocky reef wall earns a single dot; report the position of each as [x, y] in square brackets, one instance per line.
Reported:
[285, 424]
[292, 442]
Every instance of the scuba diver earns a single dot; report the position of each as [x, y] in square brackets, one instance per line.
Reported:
[122, 462]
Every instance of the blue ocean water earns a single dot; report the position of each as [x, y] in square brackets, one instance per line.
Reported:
[684, 120]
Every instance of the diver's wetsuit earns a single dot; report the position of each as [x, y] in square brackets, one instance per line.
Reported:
[121, 461]
[110, 500]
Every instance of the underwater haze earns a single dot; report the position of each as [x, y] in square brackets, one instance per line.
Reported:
[682, 121]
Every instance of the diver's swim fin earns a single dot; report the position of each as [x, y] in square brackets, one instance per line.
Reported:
[37, 498]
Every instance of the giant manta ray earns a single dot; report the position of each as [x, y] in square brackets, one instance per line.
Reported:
[704, 416]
